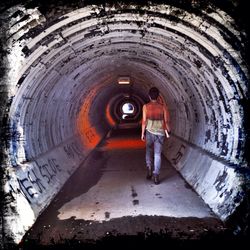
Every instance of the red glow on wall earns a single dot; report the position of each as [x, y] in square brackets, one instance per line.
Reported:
[88, 132]
[128, 143]
[109, 117]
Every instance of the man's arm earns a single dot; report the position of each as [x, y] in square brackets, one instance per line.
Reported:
[143, 124]
[166, 119]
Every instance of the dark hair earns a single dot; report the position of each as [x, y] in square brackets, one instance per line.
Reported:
[153, 93]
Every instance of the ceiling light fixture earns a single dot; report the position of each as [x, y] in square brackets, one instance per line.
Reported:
[124, 80]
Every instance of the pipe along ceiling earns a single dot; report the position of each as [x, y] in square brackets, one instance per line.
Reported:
[64, 97]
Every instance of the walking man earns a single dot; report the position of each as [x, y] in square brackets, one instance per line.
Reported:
[154, 128]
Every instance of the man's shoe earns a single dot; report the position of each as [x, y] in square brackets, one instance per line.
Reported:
[156, 179]
[149, 174]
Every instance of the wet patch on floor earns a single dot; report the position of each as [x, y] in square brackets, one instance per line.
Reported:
[160, 227]
[158, 195]
[135, 202]
[187, 186]
[134, 194]
[107, 215]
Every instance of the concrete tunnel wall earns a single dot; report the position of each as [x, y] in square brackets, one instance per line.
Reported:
[62, 74]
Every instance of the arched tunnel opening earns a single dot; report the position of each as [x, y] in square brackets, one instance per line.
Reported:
[73, 123]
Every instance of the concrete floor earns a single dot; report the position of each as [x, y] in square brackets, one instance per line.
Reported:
[123, 190]
[110, 192]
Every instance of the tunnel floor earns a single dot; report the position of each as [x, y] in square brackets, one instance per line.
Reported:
[109, 196]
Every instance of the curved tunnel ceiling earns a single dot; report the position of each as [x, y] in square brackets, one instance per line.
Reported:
[200, 74]
[63, 73]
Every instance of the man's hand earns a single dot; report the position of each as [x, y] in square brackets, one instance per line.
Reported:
[167, 133]
[143, 137]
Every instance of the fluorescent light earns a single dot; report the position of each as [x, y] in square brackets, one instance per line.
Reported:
[124, 80]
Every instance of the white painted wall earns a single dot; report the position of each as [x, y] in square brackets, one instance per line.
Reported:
[218, 184]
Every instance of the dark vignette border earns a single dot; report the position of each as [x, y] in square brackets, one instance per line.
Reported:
[240, 221]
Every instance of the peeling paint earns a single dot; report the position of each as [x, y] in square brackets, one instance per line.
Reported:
[220, 181]
[195, 57]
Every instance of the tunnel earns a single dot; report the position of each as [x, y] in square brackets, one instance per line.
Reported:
[76, 78]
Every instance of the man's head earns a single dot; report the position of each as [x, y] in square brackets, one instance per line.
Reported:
[153, 93]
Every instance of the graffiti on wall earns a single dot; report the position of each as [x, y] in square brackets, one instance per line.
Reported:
[40, 177]
[72, 150]
[37, 179]
[179, 154]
